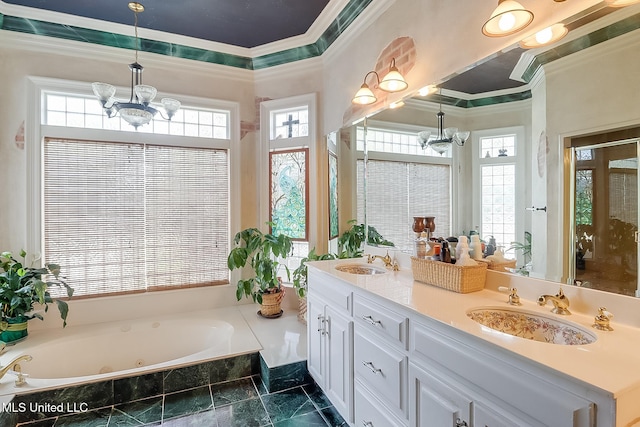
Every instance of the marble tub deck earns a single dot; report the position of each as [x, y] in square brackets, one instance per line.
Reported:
[269, 389]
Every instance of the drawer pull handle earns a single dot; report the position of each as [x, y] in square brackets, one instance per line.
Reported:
[372, 321]
[373, 368]
[367, 424]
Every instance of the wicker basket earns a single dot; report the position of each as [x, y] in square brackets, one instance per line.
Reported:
[502, 266]
[449, 276]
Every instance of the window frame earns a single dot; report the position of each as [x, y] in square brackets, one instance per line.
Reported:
[518, 160]
[452, 160]
[36, 132]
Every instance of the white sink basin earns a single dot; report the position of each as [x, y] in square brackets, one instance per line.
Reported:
[356, 268]
[532, 326]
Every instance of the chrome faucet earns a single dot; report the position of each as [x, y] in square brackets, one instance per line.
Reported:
[388, 262]
[560, 302]
[14, 365]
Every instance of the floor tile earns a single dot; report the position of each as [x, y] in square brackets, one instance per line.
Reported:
[311, 419]
[316, 395]
[138, 413]
[262, 389]
[233, 391]
[40, 423]
[246, 413]
[187, 402]
[287, 404]
[333, 417]
[99, 418]
[201, 419]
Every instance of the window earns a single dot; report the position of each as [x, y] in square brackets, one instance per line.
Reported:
[125, 217]
[85, 112]
[289, 174]
[289, 180]
[397, 171]
[499, 171]
[123, 213]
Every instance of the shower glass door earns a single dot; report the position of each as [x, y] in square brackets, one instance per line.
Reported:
[605, 217]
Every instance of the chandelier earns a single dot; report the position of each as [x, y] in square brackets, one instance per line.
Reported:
[445, 137]
[138, 110]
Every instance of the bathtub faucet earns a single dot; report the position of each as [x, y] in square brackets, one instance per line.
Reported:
[14, 365]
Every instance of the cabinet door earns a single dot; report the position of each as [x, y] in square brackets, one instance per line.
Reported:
[484, 416]
[434, 404]
[316, 330]
[339, 377]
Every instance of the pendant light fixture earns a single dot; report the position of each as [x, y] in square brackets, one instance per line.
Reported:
[545, 37]
[508, 18]
[393, 81]
[138, 110]
[445, 137]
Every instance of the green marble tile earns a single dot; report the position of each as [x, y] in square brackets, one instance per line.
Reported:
[287, 404]
[246, 413]
[136, 388]
[142, 412]
[311, 419]
[286, 56]
[232, 368]
[186, 378]
[233, 391]
[334, 419]
[317, 396]
[200, 419]
[99, 418]
[51, 403]
[187, 402]
[42, 423]
[262, 388]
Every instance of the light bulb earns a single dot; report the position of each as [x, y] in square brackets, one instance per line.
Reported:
[544, 36]
[507, 21]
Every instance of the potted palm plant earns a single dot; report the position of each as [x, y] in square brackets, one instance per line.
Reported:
[261, 252]
[21, 287]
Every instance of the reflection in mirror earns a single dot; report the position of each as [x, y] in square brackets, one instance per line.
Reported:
[605, 212]
[563, 100]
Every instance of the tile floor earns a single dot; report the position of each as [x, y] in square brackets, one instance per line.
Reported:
[243, 403]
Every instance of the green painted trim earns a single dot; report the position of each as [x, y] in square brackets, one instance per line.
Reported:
[345, 18]
[602, 35]
[479, 102]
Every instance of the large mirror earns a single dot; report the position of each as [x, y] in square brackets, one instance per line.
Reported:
[513, 179]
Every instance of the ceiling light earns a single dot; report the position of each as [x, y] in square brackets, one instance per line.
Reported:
[445, 137]
[427, 90]
[545, 37]
[508, 18]
[392, 82]
[138, 110]
[620, 3]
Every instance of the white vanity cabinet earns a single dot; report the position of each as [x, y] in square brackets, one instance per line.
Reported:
[461, 383]
[394, 363]
[380, 362]
[330, 342]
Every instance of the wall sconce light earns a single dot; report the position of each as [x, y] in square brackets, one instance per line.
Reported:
[620, 3]
[391, 82]
[508, 18]
[545, 37]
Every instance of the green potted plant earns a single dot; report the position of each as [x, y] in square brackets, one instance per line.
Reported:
[21, 287]
[299, 277]
[350, 242]
[260, 252]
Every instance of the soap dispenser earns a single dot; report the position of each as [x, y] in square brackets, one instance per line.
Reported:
[476, 247]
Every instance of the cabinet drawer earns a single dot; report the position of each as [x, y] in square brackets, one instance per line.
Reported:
[334, 292]
[370, 413]
[382, 369]
[375, 317]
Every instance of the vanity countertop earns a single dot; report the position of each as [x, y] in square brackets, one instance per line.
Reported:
[610, 363]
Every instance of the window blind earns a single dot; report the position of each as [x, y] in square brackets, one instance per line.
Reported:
[122, 217]
[398, 191]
